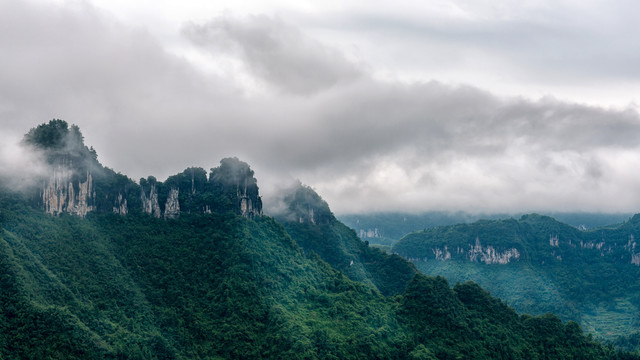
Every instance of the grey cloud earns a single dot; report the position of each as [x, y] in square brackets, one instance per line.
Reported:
[566, 43]
[276, 52]
[20, 166]
[373, 119]
[143, 109]
[362, 143]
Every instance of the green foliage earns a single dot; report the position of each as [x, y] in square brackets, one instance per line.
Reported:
[387, 228]
[305, 205]
[312, 225]
[216, 285]
[223, 286]
[587, 276]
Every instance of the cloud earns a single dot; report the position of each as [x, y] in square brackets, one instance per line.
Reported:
[276, 52]
[20, 166]
[363, 143]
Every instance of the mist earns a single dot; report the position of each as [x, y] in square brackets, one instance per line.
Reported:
[296, 105]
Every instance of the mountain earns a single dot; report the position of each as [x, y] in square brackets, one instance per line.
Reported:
[313, 226]
[540, 265]
[96, 266]
[385, 228]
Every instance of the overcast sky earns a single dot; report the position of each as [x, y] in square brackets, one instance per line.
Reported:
[505, 106]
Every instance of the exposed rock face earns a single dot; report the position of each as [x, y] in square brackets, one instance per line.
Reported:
[59, 193]
[309, 216]
[442, 254]
[304, 205]
[554, 241]
[489, 255]
[477, 252]
[150, 203]
[631, 247]
[120, 207]
[172, 207]
[369, 233]
[247, 207]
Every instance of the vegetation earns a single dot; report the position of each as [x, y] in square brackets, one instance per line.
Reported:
[586, 276]
[225, 284]
[387, 228]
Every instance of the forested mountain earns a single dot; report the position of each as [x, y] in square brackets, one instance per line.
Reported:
[539, 265]
[385, 228]
[96, 266]
[309, 221]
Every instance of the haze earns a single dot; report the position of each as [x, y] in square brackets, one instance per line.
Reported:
[454, 105]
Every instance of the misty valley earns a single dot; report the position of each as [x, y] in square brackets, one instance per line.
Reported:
[95, 265]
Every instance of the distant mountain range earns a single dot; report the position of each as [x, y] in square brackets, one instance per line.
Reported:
[385, 228]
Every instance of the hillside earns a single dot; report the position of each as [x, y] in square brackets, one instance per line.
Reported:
[313, 226]
[385, 228]
[96, 266]
[541, 265]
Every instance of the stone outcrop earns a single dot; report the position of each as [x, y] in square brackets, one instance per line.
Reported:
[120, 206]
[247, 207]
[478, 253]
[554, 241]
[172, 207]
[369, 233]
[631, 247]
[489, 255]
[150, 203]
[442, 254]
[60, 194]
[309, 216]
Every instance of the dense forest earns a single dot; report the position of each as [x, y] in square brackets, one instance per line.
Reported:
[96, 266]
[385, 228]
[586, 276]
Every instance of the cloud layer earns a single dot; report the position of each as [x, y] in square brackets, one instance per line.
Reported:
[364, 143]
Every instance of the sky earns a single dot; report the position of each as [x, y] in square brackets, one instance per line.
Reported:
[453, 105]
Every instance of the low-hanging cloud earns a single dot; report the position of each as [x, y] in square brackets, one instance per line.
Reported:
[21, 166]
[362, 143]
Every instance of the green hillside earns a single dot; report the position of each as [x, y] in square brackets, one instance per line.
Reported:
[540, 265]
[313, 226]
[189, 268]
[385, 228]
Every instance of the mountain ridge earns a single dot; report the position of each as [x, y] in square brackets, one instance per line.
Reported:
[229, 282]
[580, 275]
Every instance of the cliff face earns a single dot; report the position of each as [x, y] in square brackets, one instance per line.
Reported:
[71, 187]
[172, 207]
[150, 203]
[303, 205]
[120, 206]
[61, 194]
[476, 253]
[234, 180]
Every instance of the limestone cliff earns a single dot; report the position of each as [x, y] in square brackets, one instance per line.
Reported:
[172, 207]
[247, 206]
[303, 205]
[631, 247]
[150, 203]
[60, 193]
[478, 253]
[120, 206]
[369, 233]
[489, 255]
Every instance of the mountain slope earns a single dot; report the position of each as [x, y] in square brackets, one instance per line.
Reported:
[541, 265]
[310, 222]
[192, 270]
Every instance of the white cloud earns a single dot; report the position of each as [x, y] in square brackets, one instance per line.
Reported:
[363, 143]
